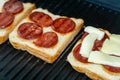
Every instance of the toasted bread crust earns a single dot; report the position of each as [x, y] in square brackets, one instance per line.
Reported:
[46, 57]
[91, 70]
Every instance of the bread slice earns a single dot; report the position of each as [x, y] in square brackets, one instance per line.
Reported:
[47, 54]
[93, 71]
[4, 33]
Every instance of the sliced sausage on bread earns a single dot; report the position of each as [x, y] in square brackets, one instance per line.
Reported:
[45, 35]
[11, 13]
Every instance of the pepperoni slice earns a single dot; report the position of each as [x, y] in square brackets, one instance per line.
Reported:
[77, 55]
[13, 6]
[41, 19]
[112, 69]
[6, 19]
[29, 30]
[99, 43]
[84, 35]
[47, 40]
[63, 25]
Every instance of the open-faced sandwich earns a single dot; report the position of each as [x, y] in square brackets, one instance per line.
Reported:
[44, 34]
[97, 54]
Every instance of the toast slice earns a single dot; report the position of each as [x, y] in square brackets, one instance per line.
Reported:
[92, 70]
[4, 33]
[47, 54]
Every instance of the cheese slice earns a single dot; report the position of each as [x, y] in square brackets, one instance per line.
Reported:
[91, 29]
[111, 46]
[102, 58]
[87, 44]
[115, 37]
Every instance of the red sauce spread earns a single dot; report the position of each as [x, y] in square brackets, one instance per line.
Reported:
[78, 56]
[99, 43]
[112, 69]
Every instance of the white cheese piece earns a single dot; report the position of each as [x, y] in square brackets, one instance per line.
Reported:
[91, 29]
[102, 58]
[115, 37]
[87, 44]
[111, 47]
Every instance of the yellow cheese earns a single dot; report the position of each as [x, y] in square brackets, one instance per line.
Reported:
[102, 58]
[87, 44]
